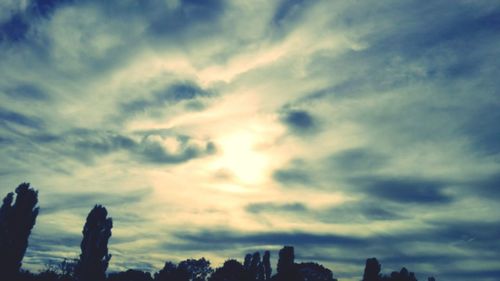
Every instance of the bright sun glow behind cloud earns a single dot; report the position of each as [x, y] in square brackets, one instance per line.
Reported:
[241, 158]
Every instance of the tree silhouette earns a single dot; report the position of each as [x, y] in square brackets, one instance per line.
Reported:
[232, 270]
[130, 275]
[372, 270]
[168, 273]
[266, 265]
[16, 222]
[311, 271]
[254, 266]
[196, 270]
[403, 275]
[94, 258]
[286, 268]
[247, 262]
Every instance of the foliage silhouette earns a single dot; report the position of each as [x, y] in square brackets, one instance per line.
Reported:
[130, 275]
[311, 271]
[194, 270]
[266, 265]
[372, 270]
[16, 222]
[287, 271]
[232, 270]
[94, 258]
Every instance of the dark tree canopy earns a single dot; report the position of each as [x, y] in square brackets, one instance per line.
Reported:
[94, 258]
[130, 275]
[311, 271]
[372, 270]
[232, 270]
[254, 266]
[16, 222]
[196, 270]
[287, 271]
[247, 262]
[167, 273]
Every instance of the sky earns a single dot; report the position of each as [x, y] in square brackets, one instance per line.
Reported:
[348, 129]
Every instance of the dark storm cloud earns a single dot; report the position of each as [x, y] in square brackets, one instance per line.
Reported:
[169, 96]
[405, 190]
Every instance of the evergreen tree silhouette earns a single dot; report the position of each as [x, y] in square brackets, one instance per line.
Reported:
[372, 270]
[266, 265]
[254, 266]
[247, 262]
[16, 222]
[94, 258]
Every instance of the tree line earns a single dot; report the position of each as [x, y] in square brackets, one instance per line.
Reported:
[18, 215]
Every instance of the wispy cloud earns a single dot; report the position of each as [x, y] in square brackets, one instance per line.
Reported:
[330, 125]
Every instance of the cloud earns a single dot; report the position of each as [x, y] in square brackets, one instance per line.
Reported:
[14, 29]
[274, 207]
[300, 122]
[406, 190]
[186, 14]
[85, 201]
[226, 239]
[363, 211]
[26, 91]
[169, 96]
[11, 117]
[292, 177]
[155, 152]
[391, 107]
[353, 160]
